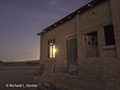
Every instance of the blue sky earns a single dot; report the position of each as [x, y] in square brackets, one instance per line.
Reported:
[20, 20]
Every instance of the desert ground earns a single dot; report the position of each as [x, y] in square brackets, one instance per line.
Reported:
[11, 76]
[19, 76]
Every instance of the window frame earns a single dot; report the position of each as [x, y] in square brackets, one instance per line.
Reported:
[91, 42]
[50, 46]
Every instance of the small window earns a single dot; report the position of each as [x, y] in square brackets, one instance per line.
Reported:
[51, 48]
[54, 51]
[92, 39]
[53, 40]
[51, 51]
[48, 52]
[96, 43]
[89, 43]
[48, 42]
[109, 35]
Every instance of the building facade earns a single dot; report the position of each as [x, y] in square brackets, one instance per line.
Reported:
[87, 43]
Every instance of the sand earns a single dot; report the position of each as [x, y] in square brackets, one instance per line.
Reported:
[12, 76]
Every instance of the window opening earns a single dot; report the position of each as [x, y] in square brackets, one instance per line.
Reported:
[48, 42]
[51, 48]
[109, 35]
[91, 42]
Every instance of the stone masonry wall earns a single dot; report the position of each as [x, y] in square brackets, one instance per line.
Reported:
[60, 34]
[102, 70]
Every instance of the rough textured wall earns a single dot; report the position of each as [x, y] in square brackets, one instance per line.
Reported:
[102, 70]
[94, 20]
[59, 33]
[95, 16]
[115, 11]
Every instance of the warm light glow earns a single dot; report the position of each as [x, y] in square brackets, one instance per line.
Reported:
[51, 51]
[54, 50]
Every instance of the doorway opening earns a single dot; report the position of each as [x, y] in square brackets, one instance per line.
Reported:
[72, 54]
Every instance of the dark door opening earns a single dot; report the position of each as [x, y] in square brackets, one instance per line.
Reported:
[72, 54]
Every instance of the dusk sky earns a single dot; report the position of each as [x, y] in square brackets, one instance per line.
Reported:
[21, 20]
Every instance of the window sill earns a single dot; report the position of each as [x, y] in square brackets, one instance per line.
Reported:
[50, 59]
[109, 47]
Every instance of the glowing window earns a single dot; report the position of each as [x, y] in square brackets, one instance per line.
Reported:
[54, 51]
[51, 48]
[51, 51]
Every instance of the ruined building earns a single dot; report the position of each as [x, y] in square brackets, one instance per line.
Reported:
[82, 50]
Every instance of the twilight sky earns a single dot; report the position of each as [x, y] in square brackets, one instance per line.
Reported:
[20, 20]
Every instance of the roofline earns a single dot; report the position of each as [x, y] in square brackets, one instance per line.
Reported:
[72, 15]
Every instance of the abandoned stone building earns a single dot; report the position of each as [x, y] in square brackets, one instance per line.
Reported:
[83, 47]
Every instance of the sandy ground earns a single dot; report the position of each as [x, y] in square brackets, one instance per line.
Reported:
[15, 75]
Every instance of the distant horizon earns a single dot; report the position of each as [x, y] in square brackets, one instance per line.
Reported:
[20, 60]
